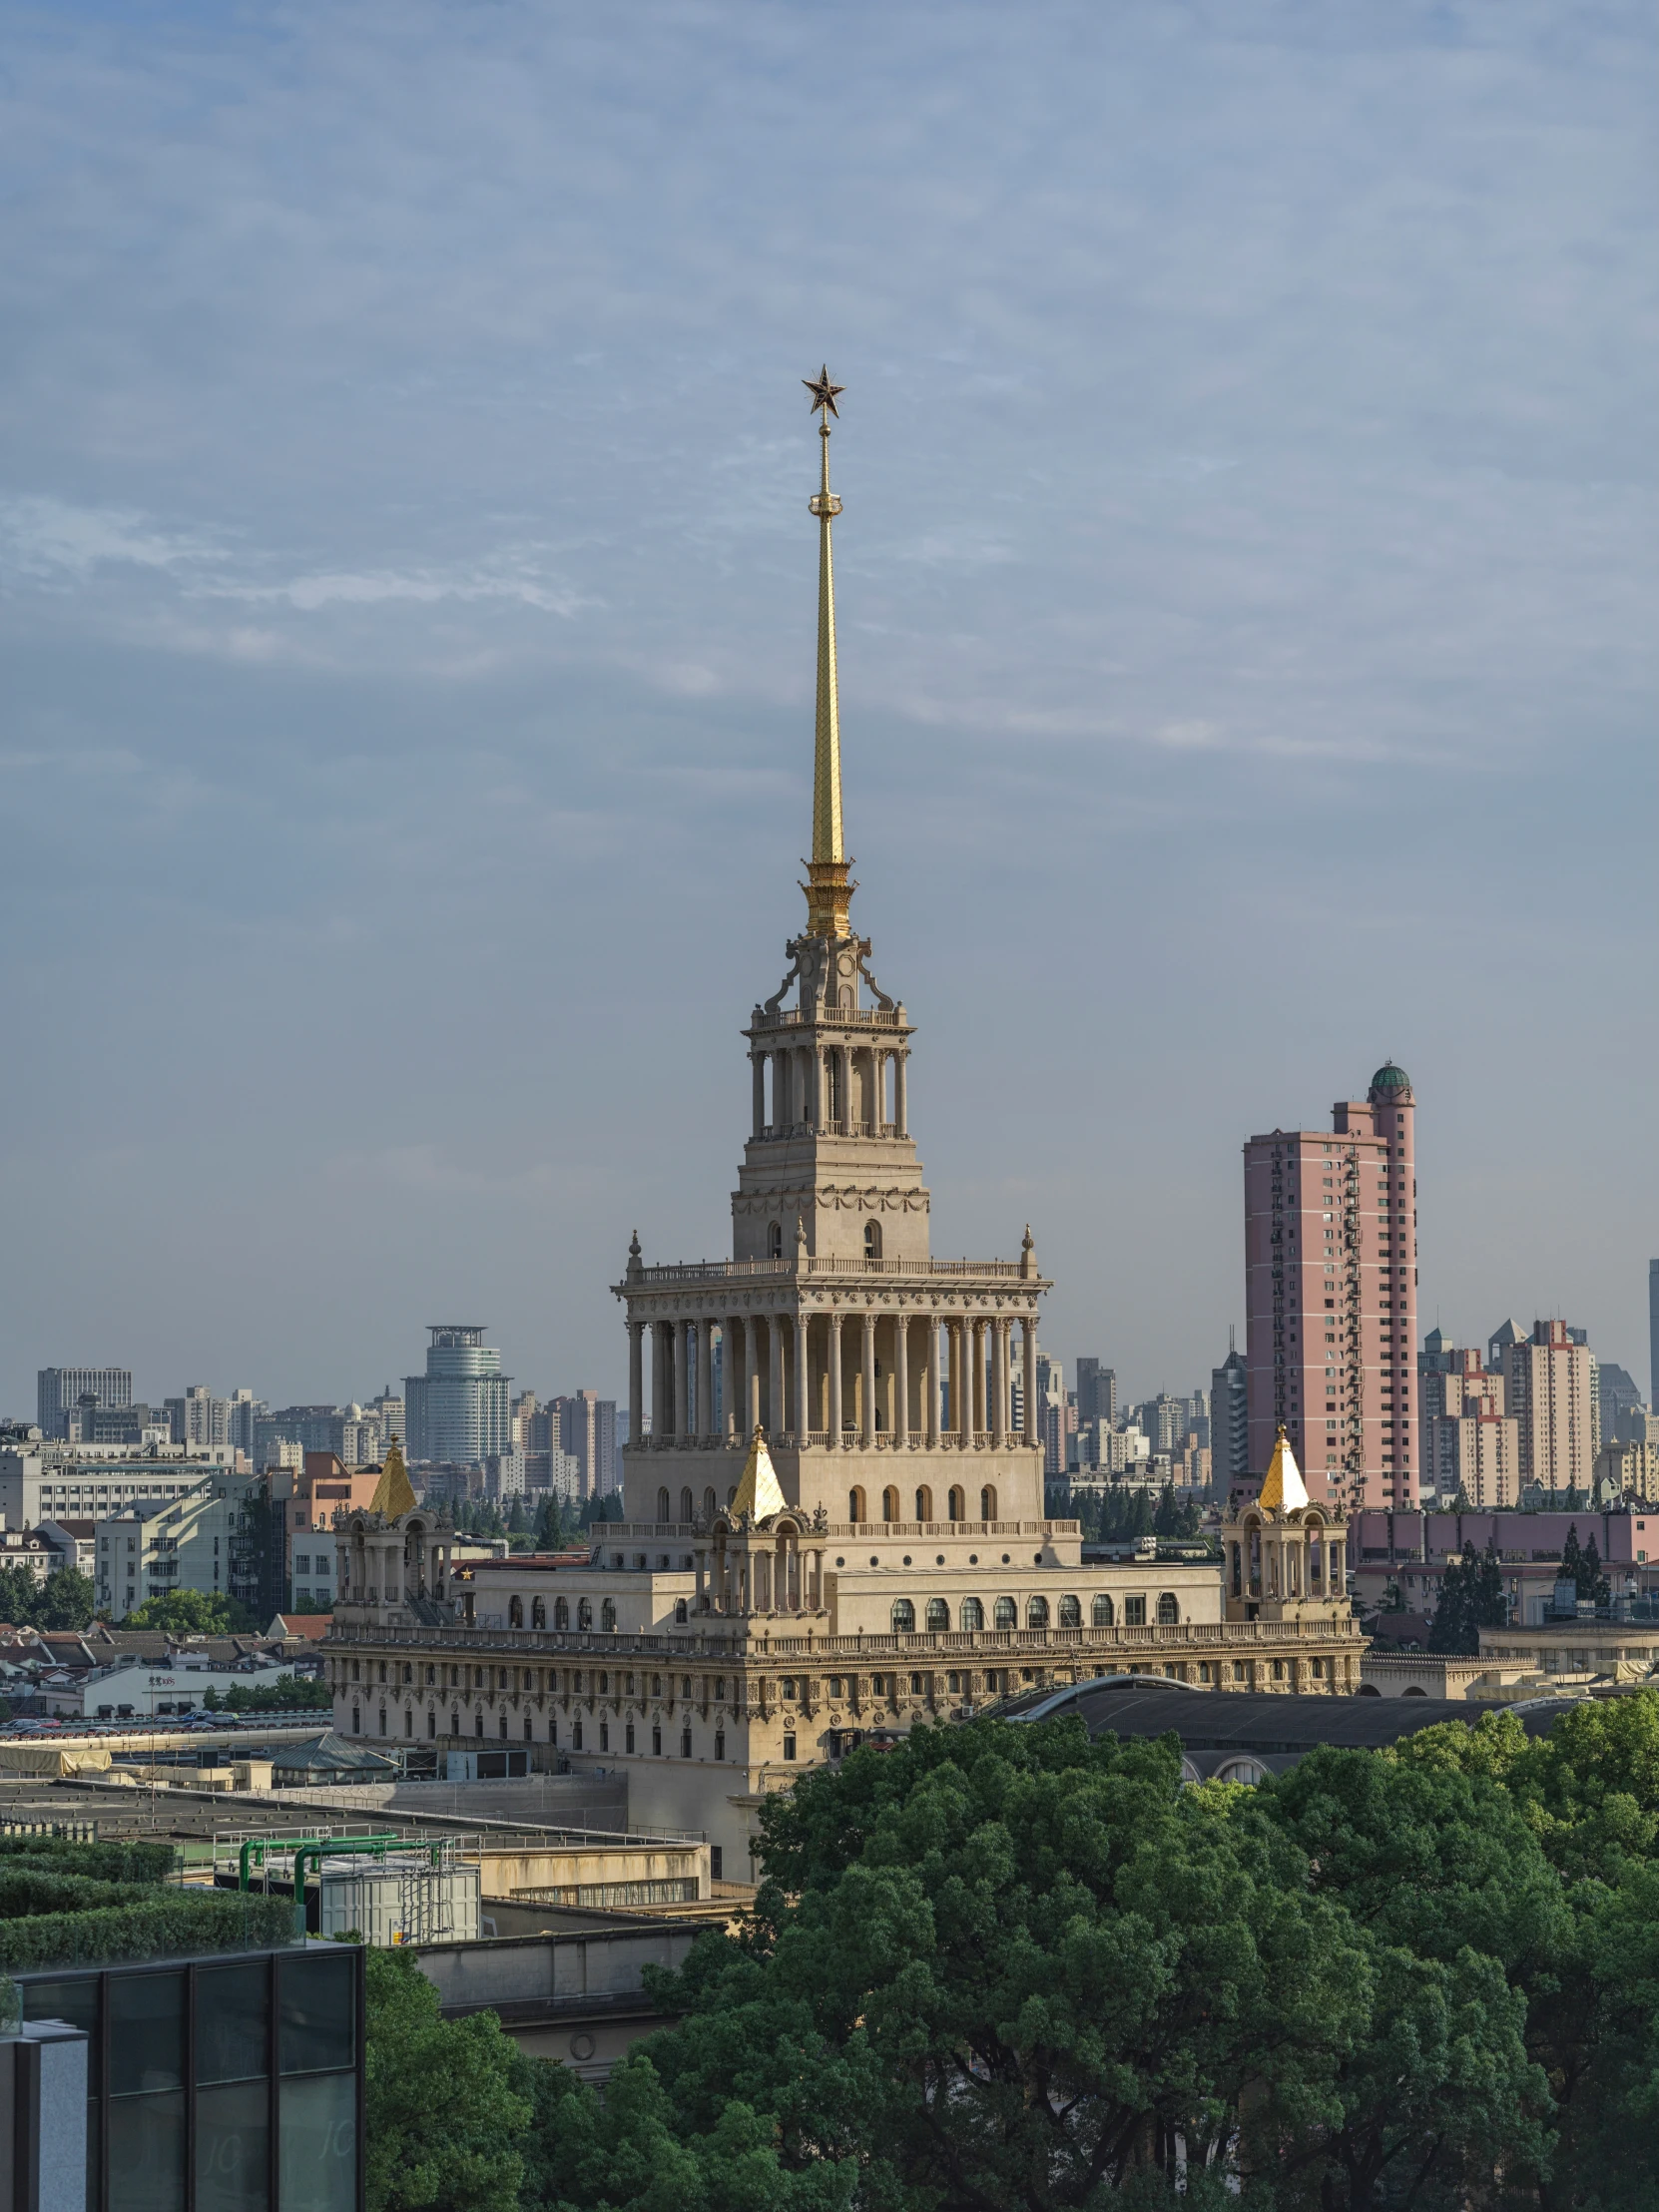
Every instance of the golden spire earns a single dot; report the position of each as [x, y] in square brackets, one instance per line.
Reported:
[829, 890]
[393, 1494]
[758, 1494]
[1282, 1489]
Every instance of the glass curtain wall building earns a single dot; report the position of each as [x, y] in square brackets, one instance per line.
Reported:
[460, 1409]
[222, 2084]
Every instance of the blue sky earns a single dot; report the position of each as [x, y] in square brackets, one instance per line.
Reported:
[406, 596]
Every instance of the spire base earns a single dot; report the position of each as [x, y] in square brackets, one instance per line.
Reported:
[829, 898]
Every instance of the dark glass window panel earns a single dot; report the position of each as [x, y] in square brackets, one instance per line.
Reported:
[233, 2148]
[318, 2146]
[232, 2021]
[147, 2033]
[146, 2152]
[73, 1999]
[319, 1998]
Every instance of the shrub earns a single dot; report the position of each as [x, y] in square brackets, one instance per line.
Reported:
[133, 1862]
[175, 1923]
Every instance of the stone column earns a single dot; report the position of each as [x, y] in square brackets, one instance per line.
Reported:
[731, 1375]
[636, 1377]
[962, 1403]
[802, 1421]
[931, 1381]
[999, 1383]
[753, 1374]
[900, 1108]
[1029, 1325]
[659, 1379]
[775, 1375]
[976, 1368]
[843, 1060]
[757, 1062]
[706, 1378]
[870, 1381]
[682, 1412]
[834, 1319]
[814, 1103]
[900, 1378]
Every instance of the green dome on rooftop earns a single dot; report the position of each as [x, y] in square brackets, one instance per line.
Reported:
[1390, 1078]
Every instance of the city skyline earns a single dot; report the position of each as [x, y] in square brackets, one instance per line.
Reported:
[1240, 682]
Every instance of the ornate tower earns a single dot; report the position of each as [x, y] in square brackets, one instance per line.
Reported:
[880, 1378]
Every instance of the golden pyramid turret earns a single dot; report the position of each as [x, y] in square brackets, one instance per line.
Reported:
[758, 1494]
[393, 1494]
[1282, 1489]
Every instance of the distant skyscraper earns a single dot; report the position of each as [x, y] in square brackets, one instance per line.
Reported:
[1653, 1334]
[1229, 1422]
[587, 1431]
[1551, 1397]
[1097, 1392]
[460, 1409]
[198, 1417]
[1331, 1301]
[1620, 1396]
[58, 1390]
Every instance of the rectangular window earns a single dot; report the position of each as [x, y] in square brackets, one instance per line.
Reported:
[319, 2144]
[317, 2017]
[789, 1747]
[1134, 1613]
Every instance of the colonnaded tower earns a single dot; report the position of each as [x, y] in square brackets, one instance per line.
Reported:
[836, 1327]
[842, 1535]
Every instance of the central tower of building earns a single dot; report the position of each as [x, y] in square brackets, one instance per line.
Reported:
[883, 1380]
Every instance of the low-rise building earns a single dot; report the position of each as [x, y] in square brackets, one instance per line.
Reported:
[1399, 1560]
[51, 1481]
[157, 1546]
[143, 1688]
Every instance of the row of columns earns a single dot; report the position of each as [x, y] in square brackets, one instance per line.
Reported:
[980, 1371]
[763, 1578]
[811, 1087]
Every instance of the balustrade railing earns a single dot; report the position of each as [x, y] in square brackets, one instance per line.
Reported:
[820, 1267]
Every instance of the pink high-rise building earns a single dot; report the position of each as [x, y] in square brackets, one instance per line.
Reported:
[1330, 1289]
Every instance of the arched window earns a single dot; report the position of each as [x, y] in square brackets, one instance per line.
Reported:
[662, 1505]
[1007, 1613]
[855, 1505]
[561, 1612]
[889, 1504]
[710, 1504]
[904, 1617]
[584, 1612]
[1169, 1610]
[538, 1613]
[938, 1616]
[774, 1241]
[576, 1737]
[956, 1503]
[925, 1503]
[687, 1512]
[1037, 1612]
[1104, 1614]
[515, 1612]
[872, 1240]
[1071, 1612]
[987, 1502]
[974, 1616]
[682, 1612]
[607, 1614]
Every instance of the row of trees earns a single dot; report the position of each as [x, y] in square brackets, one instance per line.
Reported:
[1126, 1511]
[1001, 1967]
[549, 1525]
[65, 1599]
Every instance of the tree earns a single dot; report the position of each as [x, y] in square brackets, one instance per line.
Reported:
[442, 2113]
[192, 1613]
[1592, 1583]
[1452, 1628]
[1572, 1559]
[68, 1600]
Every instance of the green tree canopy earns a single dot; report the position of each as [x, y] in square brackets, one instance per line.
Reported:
[442, 2113]
[192, 1613]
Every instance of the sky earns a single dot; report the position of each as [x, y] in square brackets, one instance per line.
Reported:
[407, 598]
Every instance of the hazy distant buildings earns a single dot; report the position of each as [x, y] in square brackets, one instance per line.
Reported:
[460, 1409]
[1097, 1394]
[1229, 1423]
[1331, 1283]
[587, 1434]
[1551, 1396]
[1653, 1334]
[1620, 1401]
[59, 1390]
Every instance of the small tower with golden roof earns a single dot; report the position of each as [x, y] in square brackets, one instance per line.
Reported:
[1284, 1556]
